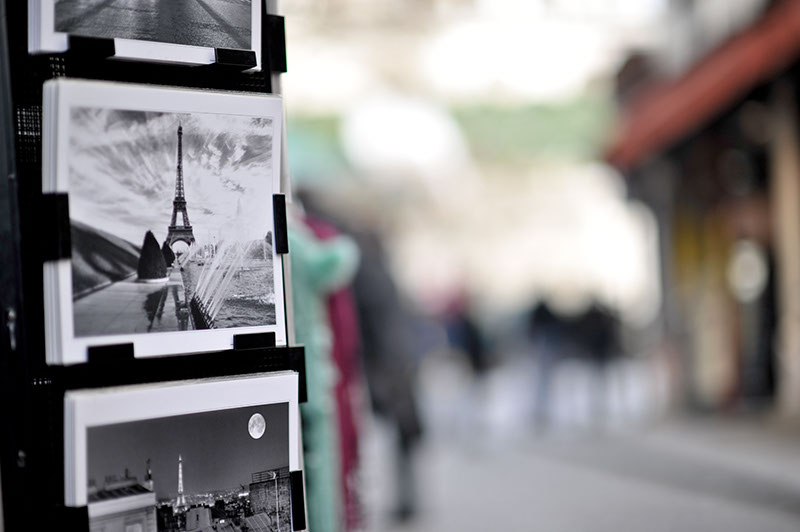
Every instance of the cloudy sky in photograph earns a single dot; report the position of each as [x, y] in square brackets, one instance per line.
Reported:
[216, 447]
[122, 170]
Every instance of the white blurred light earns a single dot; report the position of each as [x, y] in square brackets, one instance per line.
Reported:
[565, 233]
[510, 9]
[325, 77]
[526, 59]
[640, 11]
[390, 134]
[747, 271]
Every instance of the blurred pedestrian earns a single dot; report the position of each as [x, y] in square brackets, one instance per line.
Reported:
[589, 336]
[465, 335]
[390, 364]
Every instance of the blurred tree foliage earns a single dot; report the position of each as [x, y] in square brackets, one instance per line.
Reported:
[574, 130]
[497, 135]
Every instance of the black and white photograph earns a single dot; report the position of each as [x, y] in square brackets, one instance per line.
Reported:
[211, 467]
[159, 30]
[193, 471]
[171, 222]
[213, 23]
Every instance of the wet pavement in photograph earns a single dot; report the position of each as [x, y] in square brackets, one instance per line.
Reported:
[133, 307]
[212, 23]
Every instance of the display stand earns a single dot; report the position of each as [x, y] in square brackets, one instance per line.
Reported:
[34, 228]
[57, 243]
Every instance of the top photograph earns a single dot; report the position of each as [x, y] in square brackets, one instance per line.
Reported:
[180, 31]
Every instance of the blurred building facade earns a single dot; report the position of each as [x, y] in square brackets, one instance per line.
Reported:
[708, 137]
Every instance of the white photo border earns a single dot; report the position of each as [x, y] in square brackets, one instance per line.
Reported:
[95, 408]
[80, 93]
[45, 38]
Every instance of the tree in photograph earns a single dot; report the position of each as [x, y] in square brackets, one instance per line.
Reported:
[151, 261]
[169, 255]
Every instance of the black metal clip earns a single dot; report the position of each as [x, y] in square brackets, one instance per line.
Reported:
[273, 43]
[56, 240]
[298, 500]
[91, 47]
[232, 59]
[297, 362]
[281, 231]
[242, 342]
[110, 354]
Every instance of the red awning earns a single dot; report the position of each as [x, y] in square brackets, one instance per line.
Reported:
[667, 112]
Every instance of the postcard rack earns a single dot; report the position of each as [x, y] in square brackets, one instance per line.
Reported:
[33, 230]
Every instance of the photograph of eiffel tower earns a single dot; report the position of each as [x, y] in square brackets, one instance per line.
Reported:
[200, 471]
[169, 226]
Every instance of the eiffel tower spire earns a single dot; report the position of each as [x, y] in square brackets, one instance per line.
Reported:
[179, 179]
[181, 501]
[180, 232]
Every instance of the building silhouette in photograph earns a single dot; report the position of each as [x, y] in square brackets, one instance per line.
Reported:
[270, 499]
[123, 504]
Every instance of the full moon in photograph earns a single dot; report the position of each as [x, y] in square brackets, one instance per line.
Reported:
[256, 426]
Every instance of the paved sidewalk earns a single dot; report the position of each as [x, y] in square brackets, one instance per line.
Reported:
[483, 467]
[663, 479]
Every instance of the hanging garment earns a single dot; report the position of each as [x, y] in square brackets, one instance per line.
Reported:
[349, 388]
[319, 268]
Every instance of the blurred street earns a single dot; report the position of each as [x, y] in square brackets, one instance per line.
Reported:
[213, 23]
[579, 298]
[699, 474]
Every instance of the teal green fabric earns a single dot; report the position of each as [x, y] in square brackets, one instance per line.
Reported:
[318, 269]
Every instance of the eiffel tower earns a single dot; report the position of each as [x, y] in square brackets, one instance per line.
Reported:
[182, 232]
[180, 502]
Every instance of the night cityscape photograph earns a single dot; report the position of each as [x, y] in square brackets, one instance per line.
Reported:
[224, 470]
